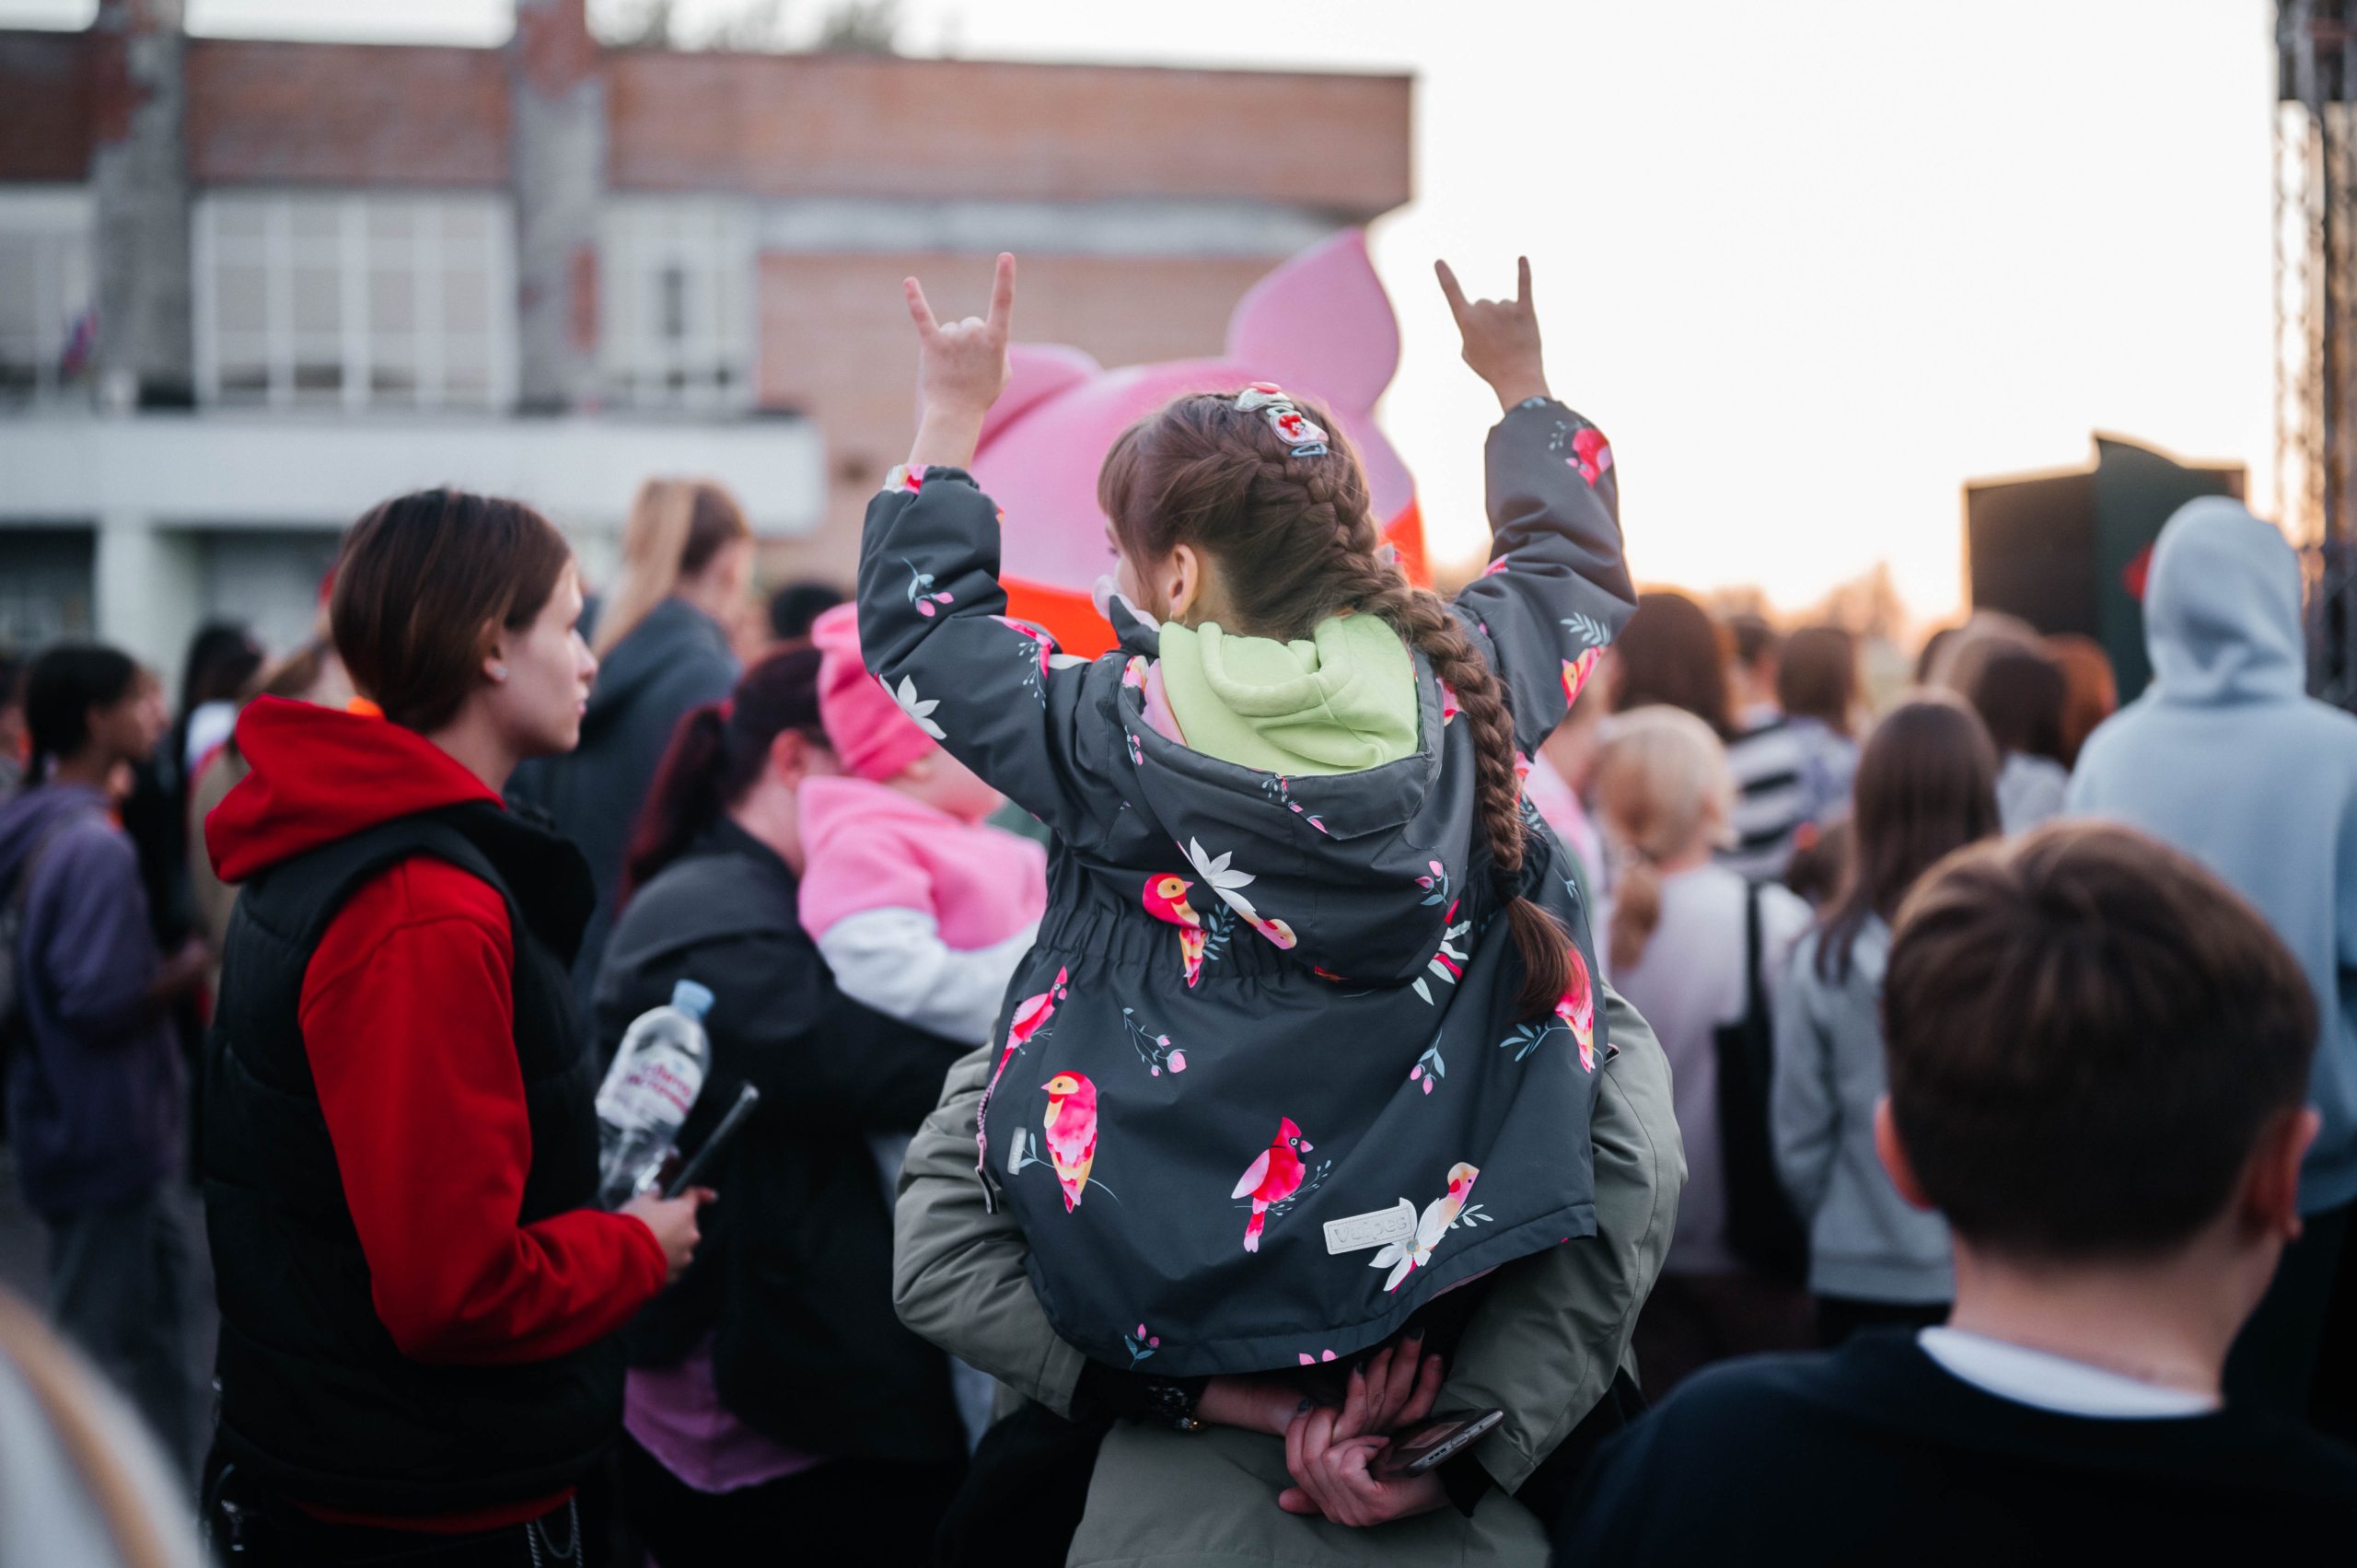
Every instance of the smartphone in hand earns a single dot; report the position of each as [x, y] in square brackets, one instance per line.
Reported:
[1433, 1441]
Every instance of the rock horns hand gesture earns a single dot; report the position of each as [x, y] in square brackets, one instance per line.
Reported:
[961, 369]
[1500, 337]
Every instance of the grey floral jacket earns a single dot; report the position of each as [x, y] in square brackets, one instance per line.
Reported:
[1262, 1090]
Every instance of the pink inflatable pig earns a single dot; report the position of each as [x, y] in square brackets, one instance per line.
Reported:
[1320, 325]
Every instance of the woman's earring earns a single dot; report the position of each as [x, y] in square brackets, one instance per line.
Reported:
[499, 672]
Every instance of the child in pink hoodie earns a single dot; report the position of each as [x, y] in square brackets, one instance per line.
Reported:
[921, 910]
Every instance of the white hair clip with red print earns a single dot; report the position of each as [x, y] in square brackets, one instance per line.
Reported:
[1293, 427]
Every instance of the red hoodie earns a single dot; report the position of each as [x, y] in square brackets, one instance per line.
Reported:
[407, 1015]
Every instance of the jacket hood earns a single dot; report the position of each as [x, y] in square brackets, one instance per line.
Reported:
[1340, 700]
[672, 628]
[319, 775]
[1363, 880]
[27, 821]
[2222, 609]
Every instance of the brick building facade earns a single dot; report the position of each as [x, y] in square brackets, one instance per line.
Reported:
[248, 287]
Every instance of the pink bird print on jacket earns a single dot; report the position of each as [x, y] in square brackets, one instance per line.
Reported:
[1274, 1177]
[1030, 1015]
[1577, 1009]
[1166, 899]
[1575, 674]
[1072, 1133]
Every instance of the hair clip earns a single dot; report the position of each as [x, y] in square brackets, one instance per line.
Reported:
[1293, 427]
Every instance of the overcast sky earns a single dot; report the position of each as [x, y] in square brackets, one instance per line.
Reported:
[1811, 265]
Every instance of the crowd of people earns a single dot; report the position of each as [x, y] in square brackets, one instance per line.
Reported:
[1800, 1118]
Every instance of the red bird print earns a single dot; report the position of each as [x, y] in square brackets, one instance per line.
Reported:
[1030, 1015]
[1576, 671]
[1274, 1177]
[1166, 899]
[1072, 1133]
[1592, 454]
[1577, 1009]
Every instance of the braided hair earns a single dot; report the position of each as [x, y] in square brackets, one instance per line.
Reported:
[1297, 542]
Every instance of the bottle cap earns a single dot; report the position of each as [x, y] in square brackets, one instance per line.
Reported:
[693, 1000]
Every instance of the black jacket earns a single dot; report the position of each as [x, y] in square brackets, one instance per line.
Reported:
[794, 1275]
[316, 1401]
[675, 658]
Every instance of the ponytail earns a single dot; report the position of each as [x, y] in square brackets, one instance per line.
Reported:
[717, 755]
[676, 526]
[1661, 778]
[1636, 909]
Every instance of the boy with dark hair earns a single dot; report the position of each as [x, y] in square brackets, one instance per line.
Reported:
[2098, 1060]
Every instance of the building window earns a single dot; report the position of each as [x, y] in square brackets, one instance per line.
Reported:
[47, 326]
[355, 302]
[677, 302]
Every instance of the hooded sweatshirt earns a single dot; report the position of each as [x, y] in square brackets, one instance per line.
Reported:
[407, 1017]
[2226, 757]
[675, 658]
[1262, 1087]
[95, 1099]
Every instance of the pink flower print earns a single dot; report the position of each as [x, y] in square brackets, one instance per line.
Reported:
[1449, 707]
[1577, 1009]
[919, 590]
[1575, 674]
[1591, 454]
[1178, 1063]
[905, 476]
[1133, 673]
[1309, 1360]
[1494, 567]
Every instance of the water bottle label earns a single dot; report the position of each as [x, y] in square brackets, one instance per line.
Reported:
[658, 1091]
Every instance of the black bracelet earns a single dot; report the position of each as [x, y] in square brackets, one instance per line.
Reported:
[1173, 1403]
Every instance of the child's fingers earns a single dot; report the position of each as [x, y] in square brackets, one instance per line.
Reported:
[1002, 296]
[1522, 282]
[1448, 286]
[1294, 1500]
[919, 311]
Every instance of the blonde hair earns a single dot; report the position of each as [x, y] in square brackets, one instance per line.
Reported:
[1661, 778]
[676, 526]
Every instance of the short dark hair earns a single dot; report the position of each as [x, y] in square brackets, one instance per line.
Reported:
[795, 605]
[1816, 676]
[1671, 652]
[420, 582]
[65, 683]
[2020, 694]
[1753, 636]
[2086, 1033]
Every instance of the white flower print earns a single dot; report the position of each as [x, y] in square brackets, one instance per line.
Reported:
[1225, 882]
[919, 711]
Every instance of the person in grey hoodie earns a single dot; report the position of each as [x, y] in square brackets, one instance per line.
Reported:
[95, 1087]
[2226, 757]
[662, 644]
[1926, 784]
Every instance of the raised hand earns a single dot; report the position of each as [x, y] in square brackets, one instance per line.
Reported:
[1500, 337]
[961, 369]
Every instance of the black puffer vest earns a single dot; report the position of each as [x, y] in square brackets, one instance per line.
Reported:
[317, 1401]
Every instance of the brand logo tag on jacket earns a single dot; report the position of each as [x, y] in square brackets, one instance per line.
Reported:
[1356, 1233]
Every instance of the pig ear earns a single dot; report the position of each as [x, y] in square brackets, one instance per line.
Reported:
[1040, 371]
[1321, 324]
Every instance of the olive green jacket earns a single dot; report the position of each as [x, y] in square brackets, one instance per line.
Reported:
[1543, 1347]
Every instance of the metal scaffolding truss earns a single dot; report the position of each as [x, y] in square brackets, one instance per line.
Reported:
[2316, 323]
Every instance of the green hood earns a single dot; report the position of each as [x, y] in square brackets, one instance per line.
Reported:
[1342, 700]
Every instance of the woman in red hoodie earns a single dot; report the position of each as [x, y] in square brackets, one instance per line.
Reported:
[417, 1306]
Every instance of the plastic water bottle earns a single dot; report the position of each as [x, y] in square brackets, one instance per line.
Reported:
[648, 1092]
